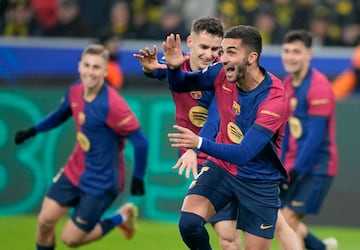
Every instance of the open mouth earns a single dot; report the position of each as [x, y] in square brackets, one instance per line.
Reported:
[230, 72]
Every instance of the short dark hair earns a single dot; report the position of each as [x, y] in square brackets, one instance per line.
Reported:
[249, 36]
[298, 35]
[211, 25]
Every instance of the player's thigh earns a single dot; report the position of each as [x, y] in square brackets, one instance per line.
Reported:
[71, 233]
[51, 212]
[226, 229]
[204, 197]
[199, 205]
[253, 242]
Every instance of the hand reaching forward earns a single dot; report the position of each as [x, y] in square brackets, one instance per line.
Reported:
[187, 161]
[172, 51]
[184, 139]
[148, 59]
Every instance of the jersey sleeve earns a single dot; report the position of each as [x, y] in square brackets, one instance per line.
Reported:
[57, 117]
[121, 118]
[273, 113]
[320, 98]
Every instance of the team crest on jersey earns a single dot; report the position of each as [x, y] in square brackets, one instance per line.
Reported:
[198, 115]
[83, 141]
[236, 108]
[295, 127]
[196, 94]
[81, 118]
[293, 103]
[234, 133]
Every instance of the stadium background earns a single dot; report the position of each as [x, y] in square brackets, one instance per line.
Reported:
[34, 74]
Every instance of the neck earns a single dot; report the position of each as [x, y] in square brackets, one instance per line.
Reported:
[253, 77]
[91, 93]
[298, 77]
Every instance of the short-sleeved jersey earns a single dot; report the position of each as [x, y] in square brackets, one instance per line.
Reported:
[314, 98]
[264, 108]
[96, 165]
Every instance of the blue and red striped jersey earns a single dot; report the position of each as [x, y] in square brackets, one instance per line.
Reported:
[96, 163]
[309, 144]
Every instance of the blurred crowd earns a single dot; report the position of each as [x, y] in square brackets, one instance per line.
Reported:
[332, 22]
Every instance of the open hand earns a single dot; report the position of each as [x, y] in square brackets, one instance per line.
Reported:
[185, 138]
[187, 161]
[148, 59]
[172, 51]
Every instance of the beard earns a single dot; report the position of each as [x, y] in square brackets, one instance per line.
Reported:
[241, 70]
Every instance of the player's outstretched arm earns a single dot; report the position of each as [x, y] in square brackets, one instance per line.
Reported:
[184, 138]
[187, 161]
[141, 148]
[23, 135]
[148, 59]
[172, 51]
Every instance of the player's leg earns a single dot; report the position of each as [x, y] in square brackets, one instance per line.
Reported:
[200, 204]
[306, 197]
[55, 205]
[224, 224]
[229, 236]
[51, 212]
[285, 235]
[196, 210]
[74, 234]
[85, 226]
[254, 242]
[258, 206]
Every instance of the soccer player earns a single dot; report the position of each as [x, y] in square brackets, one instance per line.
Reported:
[191, 108]
[94, 173]
[243, 163]
[309, 148]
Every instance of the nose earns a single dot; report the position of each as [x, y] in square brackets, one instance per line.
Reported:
[223, 58]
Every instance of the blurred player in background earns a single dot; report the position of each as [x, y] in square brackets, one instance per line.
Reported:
[191, 108]
[94, 173]
[309, 148]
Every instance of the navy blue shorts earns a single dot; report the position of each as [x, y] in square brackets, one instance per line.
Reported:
[307, 194]
[257, 200]
[88, 209]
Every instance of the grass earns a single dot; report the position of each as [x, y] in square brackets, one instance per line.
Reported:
[18, 233]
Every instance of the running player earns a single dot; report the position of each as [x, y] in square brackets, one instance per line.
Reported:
[94, 173]
[309, 148]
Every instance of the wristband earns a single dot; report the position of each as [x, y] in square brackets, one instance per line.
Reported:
[199, 143]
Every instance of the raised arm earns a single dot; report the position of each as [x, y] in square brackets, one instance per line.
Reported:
[149, 59]
[172, 51]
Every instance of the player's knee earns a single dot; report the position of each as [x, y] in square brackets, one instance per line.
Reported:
[70, 241]
[231, 240]
[45, 224]
[190, 224]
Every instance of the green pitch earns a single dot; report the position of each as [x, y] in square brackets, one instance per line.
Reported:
[18, 233]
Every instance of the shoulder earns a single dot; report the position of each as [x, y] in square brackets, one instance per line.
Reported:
[320, 85]
[319, 77]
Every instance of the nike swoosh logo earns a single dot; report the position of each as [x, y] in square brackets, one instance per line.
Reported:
[263, 227]
[226, 88]
[80, 221]
[297, 203]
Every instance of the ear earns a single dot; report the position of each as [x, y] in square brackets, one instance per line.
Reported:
[188, 41]
[252, 58]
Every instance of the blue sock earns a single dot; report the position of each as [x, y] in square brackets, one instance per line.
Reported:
[313, 243]
[38, 247]
[193, 231]
[108, 224]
